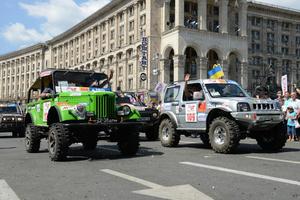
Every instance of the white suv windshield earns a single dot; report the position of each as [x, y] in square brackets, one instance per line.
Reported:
[225, 90]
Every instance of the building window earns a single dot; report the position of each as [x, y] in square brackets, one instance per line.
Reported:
[143, 20]
[112, 46]
[112, 34]
[130, 69]
[121, 30]
[298, 41]
[298, 53]
[298, 28]
[285, 25]
[131, 25]
[271, 24]
[255, 21]
[120, 71]
[271, 49]
[255, 47]
[131, 39]
[285, 50]
[103, 38]
[142, 5]
[130, 84]
[121, 17]
[285, 39]
[131, 11]
[255, 35]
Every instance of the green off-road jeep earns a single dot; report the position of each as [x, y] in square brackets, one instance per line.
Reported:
[75, 110]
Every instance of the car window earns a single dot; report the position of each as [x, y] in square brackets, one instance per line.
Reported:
[191, 88]
[8, 109]
[225, 90]
[172, 94]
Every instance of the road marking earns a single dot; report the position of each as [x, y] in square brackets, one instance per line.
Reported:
[272, 159]
[6, 193]
[186, 192]
[244, 173]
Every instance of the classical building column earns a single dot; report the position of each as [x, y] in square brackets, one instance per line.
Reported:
[166, 16]
[244, 75]
[179, 61]
[294, 72]
[223, 16]
[165, 70]
[1, 80]
[225, 67]
[203, 67]
[202, 14]
[179, 12]
[243, 18]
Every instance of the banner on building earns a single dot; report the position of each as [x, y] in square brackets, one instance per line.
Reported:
[284, 84]
[144, 53]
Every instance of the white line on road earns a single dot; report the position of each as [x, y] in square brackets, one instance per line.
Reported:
[6, 193]
[131, 178]
[272, 159]
[179, 192]
[260, 176]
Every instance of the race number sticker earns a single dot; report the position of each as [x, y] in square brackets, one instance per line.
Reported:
[46, 108]
[191, 112]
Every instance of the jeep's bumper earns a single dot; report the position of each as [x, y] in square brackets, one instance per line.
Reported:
[258, 120]
[104, 125]
[11, 126]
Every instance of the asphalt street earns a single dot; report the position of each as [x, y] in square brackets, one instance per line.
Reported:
[188, 172]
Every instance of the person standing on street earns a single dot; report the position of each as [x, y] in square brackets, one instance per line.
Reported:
[291, 118]
[295, 104]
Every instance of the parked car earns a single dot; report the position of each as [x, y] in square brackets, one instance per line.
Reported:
[75, 110]
[11, 119]
[222, 113]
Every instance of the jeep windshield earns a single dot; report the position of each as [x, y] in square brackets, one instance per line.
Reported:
[217, 90]
[70, 80]
[8, 110]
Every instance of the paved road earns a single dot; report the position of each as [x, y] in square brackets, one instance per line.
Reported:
[155, 171]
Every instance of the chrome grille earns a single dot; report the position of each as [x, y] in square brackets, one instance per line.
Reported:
[263, 106]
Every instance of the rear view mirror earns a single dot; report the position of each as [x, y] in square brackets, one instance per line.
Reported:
[198, 95]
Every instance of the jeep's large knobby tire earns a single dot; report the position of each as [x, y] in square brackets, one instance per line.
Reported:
[224, 135]
[152, 133]
[90, 141]
[167, 134]
[273, 140]
[32, 139]
[128, 142]
[58, 142]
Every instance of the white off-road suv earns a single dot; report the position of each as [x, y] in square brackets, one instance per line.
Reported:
[222, 113]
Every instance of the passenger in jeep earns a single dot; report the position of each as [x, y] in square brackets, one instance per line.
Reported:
[97, 83]
[190, 89]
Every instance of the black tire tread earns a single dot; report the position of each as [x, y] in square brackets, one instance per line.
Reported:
[128, 142]
[174, 137]
[233, 132]
[62, 143]
[35, 139]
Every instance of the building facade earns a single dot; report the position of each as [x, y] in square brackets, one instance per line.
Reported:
[171, 37]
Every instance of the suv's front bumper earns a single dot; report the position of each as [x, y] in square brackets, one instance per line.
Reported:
[258, 120]
[11, 126]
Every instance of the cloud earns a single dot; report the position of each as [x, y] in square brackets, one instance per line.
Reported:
[57, 16]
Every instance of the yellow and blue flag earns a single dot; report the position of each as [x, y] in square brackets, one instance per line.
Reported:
[216, 72]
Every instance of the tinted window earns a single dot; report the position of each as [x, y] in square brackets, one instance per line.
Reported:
[8, 109]
[172, 94]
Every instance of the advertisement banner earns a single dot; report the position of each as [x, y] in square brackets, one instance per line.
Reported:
[144, 53]
[284, 84]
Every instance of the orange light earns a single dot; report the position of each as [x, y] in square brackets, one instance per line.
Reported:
[202, 107]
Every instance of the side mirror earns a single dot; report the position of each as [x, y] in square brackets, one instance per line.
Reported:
[198, 96]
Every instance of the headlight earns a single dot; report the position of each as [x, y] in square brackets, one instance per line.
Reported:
[126, 110]
[20, 119]
[243, 107]
[4, 119]
[80, 111]
[154, 115]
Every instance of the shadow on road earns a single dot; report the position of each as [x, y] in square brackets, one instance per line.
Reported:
[254, 148]
[103, 152]
[4, 148]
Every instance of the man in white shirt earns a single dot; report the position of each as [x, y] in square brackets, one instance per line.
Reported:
[294, 102]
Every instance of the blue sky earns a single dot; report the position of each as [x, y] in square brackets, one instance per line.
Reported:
[27, 22]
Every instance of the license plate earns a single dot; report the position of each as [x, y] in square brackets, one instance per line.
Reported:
[143, 119]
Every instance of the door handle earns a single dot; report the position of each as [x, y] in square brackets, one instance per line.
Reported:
[175, 104]
[183, 105]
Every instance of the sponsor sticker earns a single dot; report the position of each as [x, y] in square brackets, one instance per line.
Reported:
[191, 112]
[202, 117]
[46, 108]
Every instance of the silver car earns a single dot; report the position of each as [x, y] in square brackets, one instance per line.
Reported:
[222, 113]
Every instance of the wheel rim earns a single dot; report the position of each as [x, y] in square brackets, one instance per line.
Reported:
[165, 133]
[219, 135]
[52, 143]
[27, 138]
